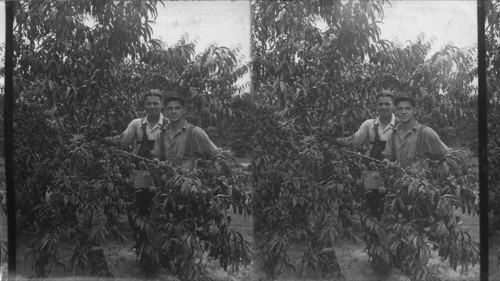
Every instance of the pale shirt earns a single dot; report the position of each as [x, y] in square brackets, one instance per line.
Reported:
[405, 145]
[174, 148]
[366, 132]
[134, 133]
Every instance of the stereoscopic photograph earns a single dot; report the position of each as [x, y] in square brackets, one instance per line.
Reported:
[250, 140]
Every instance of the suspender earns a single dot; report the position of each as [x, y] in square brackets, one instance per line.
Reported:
[393, 140]
[375, 128]
[144, 134]
[143, 128]
[377, 136]
[377, 145]
[145, 138]
[188, 147]
[418, 143]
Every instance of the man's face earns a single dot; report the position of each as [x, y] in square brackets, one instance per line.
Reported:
[385, 106]
[405, 111]
[153, 105]
[175, 110]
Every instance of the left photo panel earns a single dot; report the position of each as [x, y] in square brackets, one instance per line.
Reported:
[132, 155]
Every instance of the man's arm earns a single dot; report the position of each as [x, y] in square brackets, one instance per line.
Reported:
[127, 137]
[359, 138]
[433, 145]
[204, 145]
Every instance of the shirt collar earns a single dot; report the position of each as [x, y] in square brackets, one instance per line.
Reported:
[392, 123]
[160, 121]
[416, 125]
[183, 128]
[186, 124]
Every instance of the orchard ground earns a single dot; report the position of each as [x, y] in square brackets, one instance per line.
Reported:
[352, 257]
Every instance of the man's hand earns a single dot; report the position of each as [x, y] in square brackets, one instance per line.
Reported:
[391, 164]
[110, 141]
[338, 141]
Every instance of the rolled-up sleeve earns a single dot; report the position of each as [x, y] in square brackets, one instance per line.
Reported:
[361, 136]
[129, 135]
[203, 145]
[433, 145]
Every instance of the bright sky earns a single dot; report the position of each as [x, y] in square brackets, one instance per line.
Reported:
[225, 23]
[447, 21]
[228, 23]
[2, 22]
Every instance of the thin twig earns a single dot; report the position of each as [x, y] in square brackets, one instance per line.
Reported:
[29, 124]
[361, 155]
[131, 154]
[369, 158]
[36, 111]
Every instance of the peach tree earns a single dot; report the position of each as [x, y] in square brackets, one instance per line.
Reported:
[191, 217]
[314, 84]
[81, 69]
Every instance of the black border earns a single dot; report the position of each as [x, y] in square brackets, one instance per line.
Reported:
[9, 141]
[483, 143]
[482, 134]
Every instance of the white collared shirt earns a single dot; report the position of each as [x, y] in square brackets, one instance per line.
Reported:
[366, 132]
[133, 133]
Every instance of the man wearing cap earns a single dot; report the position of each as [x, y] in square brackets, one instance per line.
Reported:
[181, 140]
[410, 139]
[145, 130]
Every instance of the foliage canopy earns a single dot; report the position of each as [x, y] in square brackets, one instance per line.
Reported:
[312, 85]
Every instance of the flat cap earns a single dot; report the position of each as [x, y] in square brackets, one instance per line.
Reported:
[172, 96]
[402, 96]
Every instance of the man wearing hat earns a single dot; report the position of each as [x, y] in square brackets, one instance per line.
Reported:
[180, 140]
[145, 130]
[410, 139]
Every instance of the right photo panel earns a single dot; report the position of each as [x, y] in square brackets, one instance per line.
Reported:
[492, 44]
[365, 163]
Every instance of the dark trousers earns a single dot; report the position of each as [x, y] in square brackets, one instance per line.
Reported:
[143, 199]
[374, 202]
